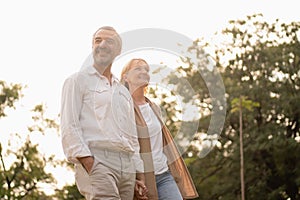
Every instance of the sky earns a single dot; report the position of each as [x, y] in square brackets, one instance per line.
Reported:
[43, 42]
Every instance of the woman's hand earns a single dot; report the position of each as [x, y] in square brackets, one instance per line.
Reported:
[140, 190]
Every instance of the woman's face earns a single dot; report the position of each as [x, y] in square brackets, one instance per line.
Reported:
[138, 75]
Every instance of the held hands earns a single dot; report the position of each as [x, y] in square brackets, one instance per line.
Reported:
[140, 190]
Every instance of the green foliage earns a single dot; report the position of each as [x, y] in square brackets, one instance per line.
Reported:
[247, 104]
[22, 171]
[20, 180]
[68, 192]
[9, 94]
[167, 107]
[259, 61]
[41, 123]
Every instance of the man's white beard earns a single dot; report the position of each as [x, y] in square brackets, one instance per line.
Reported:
[103, 63]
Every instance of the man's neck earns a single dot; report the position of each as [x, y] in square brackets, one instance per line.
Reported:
[105, 71]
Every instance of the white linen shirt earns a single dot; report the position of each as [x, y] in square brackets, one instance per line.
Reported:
[95, 113]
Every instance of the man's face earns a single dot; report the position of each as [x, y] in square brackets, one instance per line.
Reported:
[106, 46]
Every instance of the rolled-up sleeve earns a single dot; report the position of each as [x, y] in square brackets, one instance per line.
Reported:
[73, 142]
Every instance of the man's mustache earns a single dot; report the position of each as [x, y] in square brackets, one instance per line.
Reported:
[101, 49]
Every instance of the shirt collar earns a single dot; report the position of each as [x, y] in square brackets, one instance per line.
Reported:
[92, 71]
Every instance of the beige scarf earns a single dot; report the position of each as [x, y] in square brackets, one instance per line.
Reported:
[175, 162]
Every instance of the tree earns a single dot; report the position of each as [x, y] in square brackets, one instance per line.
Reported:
[22, 178]
[238, 105]
[22, 169]
[9, 94]
[259, 60]
[265, 68]
[68, 192]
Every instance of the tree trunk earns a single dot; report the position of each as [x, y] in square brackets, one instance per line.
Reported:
[242, 151]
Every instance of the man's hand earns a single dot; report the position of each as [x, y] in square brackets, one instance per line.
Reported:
[140, 190]
[87, 163]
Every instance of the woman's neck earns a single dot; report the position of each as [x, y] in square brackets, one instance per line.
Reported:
[138, 96]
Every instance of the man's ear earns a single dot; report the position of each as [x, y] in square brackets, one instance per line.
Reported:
[125, 77]
[119, 51]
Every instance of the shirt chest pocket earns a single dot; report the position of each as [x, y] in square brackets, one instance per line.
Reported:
[98, 97]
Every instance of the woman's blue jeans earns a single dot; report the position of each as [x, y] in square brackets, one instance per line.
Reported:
[167, 187]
